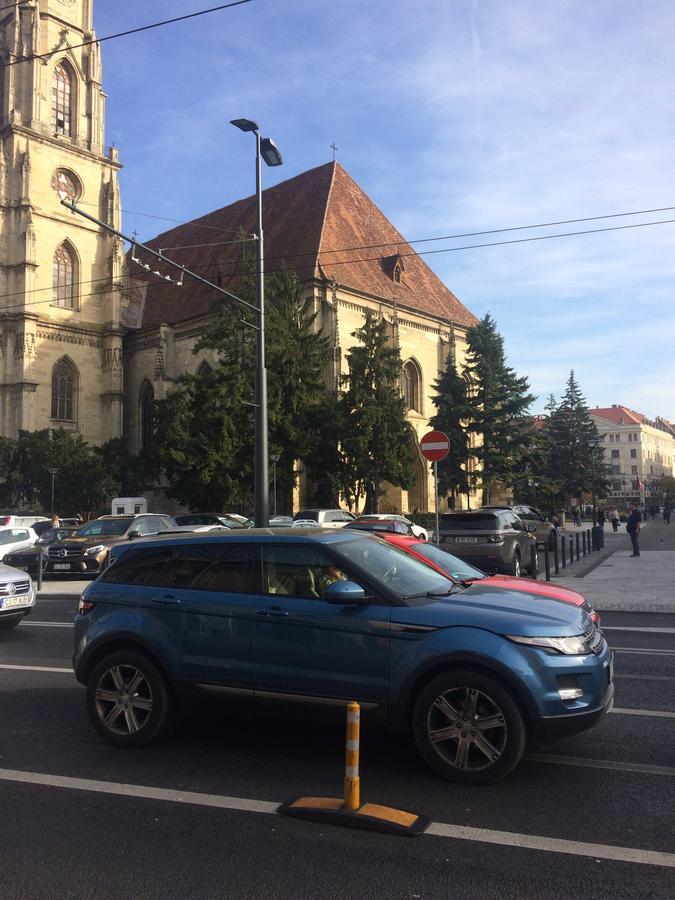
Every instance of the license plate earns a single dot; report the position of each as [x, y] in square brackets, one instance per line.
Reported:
[8, 602]
[466, 540]
[61, 565]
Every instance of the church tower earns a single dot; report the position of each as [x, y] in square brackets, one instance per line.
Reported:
[61, 278]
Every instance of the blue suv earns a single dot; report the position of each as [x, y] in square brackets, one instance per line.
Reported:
[295, 621]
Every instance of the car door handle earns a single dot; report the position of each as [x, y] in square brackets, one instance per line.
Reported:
[168, 600]
[271, 611]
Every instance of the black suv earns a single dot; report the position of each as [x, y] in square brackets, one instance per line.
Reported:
[87, 552]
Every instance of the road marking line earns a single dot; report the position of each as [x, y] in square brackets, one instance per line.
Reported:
[639, 768]
[36, 668]
[643, 650]
[645, 630]
[659, 713]
[552, 845]
[437, 829]
[49, 624]
[645, 677]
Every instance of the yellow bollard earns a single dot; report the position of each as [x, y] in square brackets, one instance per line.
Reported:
[352, 781]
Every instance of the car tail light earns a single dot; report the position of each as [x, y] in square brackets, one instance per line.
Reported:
[4, 520]
[85, 605]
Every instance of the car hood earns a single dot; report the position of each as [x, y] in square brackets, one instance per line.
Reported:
[495, 609]
[9, 573]
[538, 588]
[90, 541]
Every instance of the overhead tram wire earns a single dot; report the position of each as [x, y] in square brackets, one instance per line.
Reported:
[110, 37]
[545, 237]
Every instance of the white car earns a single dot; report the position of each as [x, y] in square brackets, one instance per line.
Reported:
[17, 596]
[417, 530]
[325, 518]
[16, 539]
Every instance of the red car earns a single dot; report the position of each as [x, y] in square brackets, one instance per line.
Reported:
[458, 570]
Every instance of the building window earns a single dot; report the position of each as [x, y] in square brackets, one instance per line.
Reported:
[616, 470]
[61, 100]
[397, 274]
[633, 470]
[411, 386]
[633, 453]
[204, 370]
[147, 414]
[611, 438]
[615, 454]
[64, 391]
[63, 278]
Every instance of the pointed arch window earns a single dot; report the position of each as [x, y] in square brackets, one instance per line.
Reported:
[64, 391]
[63, 277]
[412, 386]
[204, 370]
[147, 414]
[61, 100]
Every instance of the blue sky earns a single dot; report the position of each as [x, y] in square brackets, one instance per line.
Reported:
[454, 116]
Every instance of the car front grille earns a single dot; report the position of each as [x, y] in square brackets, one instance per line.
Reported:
[593, 637]
[9, 588]
[57, 553]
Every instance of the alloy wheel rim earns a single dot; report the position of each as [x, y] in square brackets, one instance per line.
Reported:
[467, 729]
[123, 699]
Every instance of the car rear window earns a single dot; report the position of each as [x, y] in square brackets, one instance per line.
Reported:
[307, 514]
[469, 522]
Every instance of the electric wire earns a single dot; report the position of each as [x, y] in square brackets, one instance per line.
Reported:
[110, 37]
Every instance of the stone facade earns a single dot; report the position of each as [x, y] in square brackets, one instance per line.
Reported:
[61, 279]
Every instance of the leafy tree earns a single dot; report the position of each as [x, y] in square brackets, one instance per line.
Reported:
[452, 413]
[571, 434]
[498, 401]
[378, 443]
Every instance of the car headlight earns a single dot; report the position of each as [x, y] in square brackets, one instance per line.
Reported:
[90, 551]
[570, 646]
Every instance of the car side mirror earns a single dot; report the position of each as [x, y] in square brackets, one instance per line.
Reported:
[345, 593]
[134, 534]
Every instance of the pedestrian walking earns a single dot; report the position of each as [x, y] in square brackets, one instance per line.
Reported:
[601, 518]
[633, 527]
[614, 518]
[666, 514]
[577, 516]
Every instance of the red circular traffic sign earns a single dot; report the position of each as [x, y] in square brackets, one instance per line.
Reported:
[435, 445]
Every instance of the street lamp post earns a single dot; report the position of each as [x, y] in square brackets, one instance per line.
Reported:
[593, 445]
[53, 472]
[267, 150]
[275, 459]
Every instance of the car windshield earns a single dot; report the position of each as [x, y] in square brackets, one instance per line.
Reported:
[105, 527]
[395, 569]
[54, 534]
[455, 567]
[468, 522]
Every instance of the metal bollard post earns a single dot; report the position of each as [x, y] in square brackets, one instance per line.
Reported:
[577, 542]
[556, 555]
[352, 783]
[583, 544]
[547, 561]
[571, 550]
[534, 561]
[589, 540]
[563, 550]
[39, 578]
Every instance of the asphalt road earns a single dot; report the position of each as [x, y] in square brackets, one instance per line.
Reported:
[194, 815]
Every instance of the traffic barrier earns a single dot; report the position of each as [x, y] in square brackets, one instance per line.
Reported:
[563, 550]
[348, 810]
[571, 550]
[39, 575]
[583, 543]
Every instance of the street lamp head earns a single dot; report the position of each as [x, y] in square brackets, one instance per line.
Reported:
[275, 457]
[52, 471]
[270, 152]
[244, 124]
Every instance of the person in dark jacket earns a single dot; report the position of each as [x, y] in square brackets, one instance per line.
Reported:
[601, 518]
[633, 527]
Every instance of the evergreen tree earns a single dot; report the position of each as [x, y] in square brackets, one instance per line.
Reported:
[452, 414]
[571, 434]
[378, 443]
[498, 401]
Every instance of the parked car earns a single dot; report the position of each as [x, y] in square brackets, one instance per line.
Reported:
[495, 540]
[325, 518]
[465, 574]
[281, 521]
[305, 523]
[12, 539]
[86, 552]
[27, 559]
[206, 519]
[17, 596]
[545, 530]
[301, 620]
[380, 524]
[21, 521]
[417, 530]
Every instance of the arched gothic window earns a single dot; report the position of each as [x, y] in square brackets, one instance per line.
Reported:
[61, 100]
[412, 383]
[63, 277]
[64, 391]
[147, 414]
[204, 370]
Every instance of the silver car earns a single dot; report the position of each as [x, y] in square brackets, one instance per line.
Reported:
[17, 596]
[494, 540]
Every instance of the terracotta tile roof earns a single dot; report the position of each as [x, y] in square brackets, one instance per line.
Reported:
[619, 415]
[305, 220]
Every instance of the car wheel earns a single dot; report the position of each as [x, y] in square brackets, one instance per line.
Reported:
[7, 622]
[468, 728]
[534, 569]
[515, 565]
[127, 699]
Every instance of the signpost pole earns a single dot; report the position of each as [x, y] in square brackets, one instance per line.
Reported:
[436, 497]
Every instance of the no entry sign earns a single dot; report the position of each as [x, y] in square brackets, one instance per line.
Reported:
[435, 445]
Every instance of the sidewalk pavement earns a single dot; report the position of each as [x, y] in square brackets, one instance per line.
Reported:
[614, 580]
